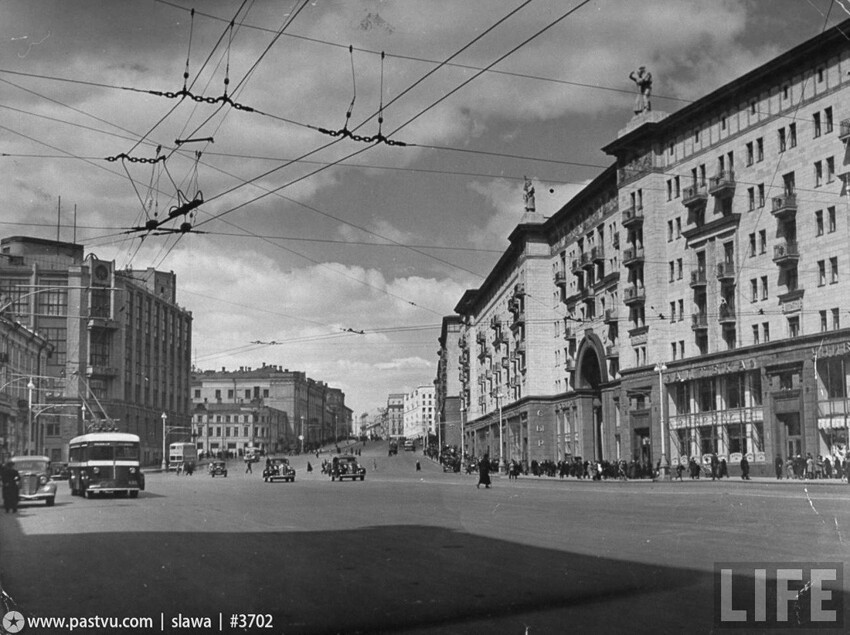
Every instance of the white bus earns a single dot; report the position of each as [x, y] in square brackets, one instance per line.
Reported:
[182, 454]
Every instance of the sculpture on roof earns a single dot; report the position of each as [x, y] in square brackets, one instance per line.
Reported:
[528, 195]
[643, 79]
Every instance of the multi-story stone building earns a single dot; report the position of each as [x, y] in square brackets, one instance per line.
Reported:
[690, 300]
[121, 344]
[395, 415]
[448, 403]
[419, 413]
[300, 406]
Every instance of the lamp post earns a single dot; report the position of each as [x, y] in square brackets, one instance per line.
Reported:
[301, 436]
[31, 441]
[462, 434]
[499, 398]
[164, 422]
[664, 471]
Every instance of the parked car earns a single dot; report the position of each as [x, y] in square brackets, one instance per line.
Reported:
[218, 468]
[347, 467]
[278, 470]
[36, 482]
[60, 472]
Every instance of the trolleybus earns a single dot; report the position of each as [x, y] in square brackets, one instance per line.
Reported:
[105, 462]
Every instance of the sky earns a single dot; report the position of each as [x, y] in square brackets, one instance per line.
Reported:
[327, 253]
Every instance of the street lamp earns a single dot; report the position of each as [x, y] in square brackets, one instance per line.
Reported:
[499, 398]
[462, 433]
[664, 471]
[301, 436]
[164, 422]
[31, 443]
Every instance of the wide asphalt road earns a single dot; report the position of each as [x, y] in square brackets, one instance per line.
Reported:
[408, 551]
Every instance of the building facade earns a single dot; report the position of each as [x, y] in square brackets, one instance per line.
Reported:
[448, 402]
[419, 413]
[395, 415]
[313, 413]
[121, 343]
[689, 301]
[227, 428]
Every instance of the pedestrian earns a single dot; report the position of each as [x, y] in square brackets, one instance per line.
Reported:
[374, 465]
[11, 482]
[724, 469]
[745, 468]
[418, 466]
[715, 466]
[484, 472]
[810, 466]
[248, 469]
[309, 467]
[680, 469]
[777, 466]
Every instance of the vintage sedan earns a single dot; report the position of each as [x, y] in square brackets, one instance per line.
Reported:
[36, 482]
[346, 466]
[218, 468]
[278, 470]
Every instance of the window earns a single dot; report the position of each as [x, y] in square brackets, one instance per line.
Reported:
[672, 311]
[792, 135]
[781, 139]
[197, 393]
[679, 267]
[818, 174]
[669, 189]
[682, 317]
[754, 288]
[816, 124]
[830, 213]
[760, 149]
[752, 107]
[764, 287]
[723, 122]
[819, 222]
[823, 322]
[669, 230]
[673, 349]
[755, 333]
[794, 326]
[672, 271]
[785, 91]
[830, 169]
[218, 394]
[821, 273]
[679, 226]
[677, 186]
[765, 330]
[752, 245]
[820, 75]
[750, 153]
[833, 270]
[762, 241]
[827, 114]
[761, 194]
[836, 319]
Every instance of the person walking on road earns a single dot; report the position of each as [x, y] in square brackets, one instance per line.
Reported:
[11, 482]
[484, 472]
[248, 469]
[745, 468]
[418, 466]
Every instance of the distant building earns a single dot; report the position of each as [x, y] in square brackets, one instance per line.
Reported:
[419, 413]
[121, 344]
[689, 301]
[228, 428]
[448, 399]
[395, 415]
[300, 406]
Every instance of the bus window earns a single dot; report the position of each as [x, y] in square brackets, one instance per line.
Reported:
[126, 452]
[100, 453]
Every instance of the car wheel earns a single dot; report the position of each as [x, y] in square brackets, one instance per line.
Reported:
[225, 475]
[362, 477]
[50, 501]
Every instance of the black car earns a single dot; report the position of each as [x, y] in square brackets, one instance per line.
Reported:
[218, 468]
[347, 467]
[278, 470]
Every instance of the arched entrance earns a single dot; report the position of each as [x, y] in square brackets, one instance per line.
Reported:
[591, 374]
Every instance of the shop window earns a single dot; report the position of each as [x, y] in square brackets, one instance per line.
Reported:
[706, 395]
[707, 440]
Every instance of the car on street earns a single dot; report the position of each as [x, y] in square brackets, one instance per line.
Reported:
[60, 471]
[218, 468]
[36, 481]
[278, 470]
[346, 466]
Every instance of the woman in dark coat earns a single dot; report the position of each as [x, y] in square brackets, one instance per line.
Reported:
[11, 487]
[484, 472]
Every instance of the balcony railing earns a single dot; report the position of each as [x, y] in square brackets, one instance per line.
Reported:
[610, 316]
[632, 216]
[699, 321]
[632, 256]
[561, 278]
[698, 278]
[727, 314]
[722, 183]
[784, 206]
[695, 193]
[844, 130]
[725, 271]
[786, 253]
[612, 350]
[634, 295]
[597, 254]
[575, 265]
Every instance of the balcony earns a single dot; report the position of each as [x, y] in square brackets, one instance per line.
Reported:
[97, 322]
[569, 364]
[495, 323]
[634, 295]
[725, 272]
[786, 253]
[699, 321]
[597, 254]
[615, 240]
[844, 130]
[727, 314]
[519, 289]
[698, 278]
[633, 256]
[610, 316]
[569, 333]
[632, 217]
[586, 260]
[519, 320]
[612, 351]
[506, 363]
[561, 278]
[695, 194]
[784, 206]
[722, 184]
[575, 265]
[101, 371]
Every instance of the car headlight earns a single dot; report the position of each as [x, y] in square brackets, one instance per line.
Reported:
[96, 470]
[132, 470]
[42, 480]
